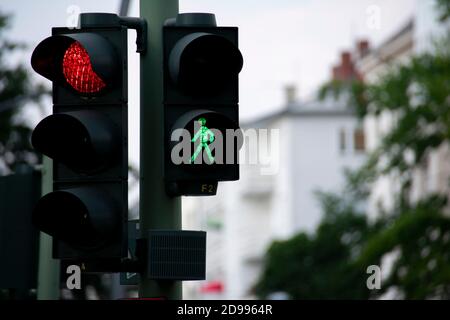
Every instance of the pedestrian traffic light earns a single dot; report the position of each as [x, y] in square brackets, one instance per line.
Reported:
[86, 136]
[202, 137]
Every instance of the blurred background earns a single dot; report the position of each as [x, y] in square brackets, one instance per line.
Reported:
[353, 100]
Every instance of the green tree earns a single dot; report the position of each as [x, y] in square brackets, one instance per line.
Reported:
[421, 237]
[323, 265]
[418, 94]
[16, 90]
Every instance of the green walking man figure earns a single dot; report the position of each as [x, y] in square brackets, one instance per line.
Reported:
[203, 134]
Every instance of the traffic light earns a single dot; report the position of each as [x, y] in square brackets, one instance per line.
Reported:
[201, 117]
[86, 136]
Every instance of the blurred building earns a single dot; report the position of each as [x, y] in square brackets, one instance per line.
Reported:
[416, 36]
[396, 50]
[432, 175]
[310, 145]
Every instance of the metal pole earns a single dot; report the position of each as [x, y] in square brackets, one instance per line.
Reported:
[156, 209]
[124, 7]
[48, 269]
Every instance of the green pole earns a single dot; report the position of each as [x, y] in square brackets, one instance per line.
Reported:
[48, 269]
[157, 211]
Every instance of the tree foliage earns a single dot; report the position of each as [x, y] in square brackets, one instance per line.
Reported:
[421, 238]
[416, 234]
[323, 265]
[319, 266]
[16, 90]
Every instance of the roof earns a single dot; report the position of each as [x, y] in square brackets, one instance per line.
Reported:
[400, 43]
[407, 28]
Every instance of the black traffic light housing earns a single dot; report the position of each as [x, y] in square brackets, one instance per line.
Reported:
[87, 138]
[201, 67]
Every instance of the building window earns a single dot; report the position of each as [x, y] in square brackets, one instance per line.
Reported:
[359, 140]
[342, 140]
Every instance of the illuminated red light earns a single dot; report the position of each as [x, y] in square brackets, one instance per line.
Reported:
[77, 69]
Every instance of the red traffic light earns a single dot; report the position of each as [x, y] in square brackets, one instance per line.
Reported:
[85, 62]
[86, 136]
[78, 72]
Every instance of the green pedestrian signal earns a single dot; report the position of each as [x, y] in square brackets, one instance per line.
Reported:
[206, 137]
[201, 93]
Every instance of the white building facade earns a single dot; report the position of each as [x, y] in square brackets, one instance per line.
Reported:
[398, 49]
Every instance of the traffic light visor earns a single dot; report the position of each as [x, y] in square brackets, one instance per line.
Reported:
[85, 61]
[202, 63]
[83, 141]
[81, 218]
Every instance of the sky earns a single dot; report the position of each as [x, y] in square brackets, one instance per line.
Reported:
[283, 42]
